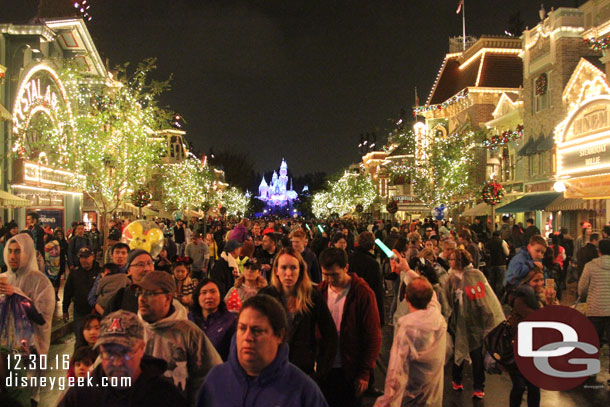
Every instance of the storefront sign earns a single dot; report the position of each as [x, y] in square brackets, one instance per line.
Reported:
[583, 146]
[51, 217]
[588, 187]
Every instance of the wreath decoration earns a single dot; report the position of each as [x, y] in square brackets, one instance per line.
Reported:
[492, 193]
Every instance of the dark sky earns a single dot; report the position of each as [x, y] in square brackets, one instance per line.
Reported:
[299, 79]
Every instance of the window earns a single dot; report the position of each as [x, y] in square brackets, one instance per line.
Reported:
[541, 92]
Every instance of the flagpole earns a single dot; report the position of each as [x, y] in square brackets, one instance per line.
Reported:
[464, 25]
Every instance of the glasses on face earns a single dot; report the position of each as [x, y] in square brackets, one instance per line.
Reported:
[148, 294]
[112, 356]
[143, 264]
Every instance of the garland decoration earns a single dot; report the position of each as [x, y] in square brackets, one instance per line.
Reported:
[452, 100]
[492, 193]
[392, 206]
[504, 138]
[141, 198]
[598, 45]
[541, 84]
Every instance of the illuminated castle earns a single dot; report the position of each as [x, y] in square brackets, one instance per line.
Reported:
[276, 193]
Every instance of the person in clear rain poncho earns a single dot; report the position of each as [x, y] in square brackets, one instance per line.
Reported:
[24, 278]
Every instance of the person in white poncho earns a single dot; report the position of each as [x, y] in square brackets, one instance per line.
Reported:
[415, 370]
[24, 278]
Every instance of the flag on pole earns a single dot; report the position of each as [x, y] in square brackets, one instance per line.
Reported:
[460, 4]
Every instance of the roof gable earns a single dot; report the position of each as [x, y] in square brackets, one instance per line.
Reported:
[586, 81]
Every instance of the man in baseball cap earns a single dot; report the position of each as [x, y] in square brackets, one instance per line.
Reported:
[171, 336]
[125, 373]
[78, 285]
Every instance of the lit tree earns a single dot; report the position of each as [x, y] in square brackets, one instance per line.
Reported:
[235, 201]
[186, 185]
[343, 195]
[112, 147]
[448, 175]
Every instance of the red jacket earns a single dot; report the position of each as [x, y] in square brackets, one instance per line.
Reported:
[360, 334]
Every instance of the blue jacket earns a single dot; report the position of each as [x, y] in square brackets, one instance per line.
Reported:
[279, 384]
[518, 267]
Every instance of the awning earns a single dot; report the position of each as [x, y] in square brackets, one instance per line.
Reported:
[576, 204]
[148, 211]
[545, 144]
[481, 209]
[530, 202]
[526, 147]
[8, 200]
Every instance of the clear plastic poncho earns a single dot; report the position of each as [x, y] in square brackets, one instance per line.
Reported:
[30, 282]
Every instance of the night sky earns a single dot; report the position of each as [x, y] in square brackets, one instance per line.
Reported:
[299, 79]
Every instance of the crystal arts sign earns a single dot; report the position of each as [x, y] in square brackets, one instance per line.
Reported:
[40, 113]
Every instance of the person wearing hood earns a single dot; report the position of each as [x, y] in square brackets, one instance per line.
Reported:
[25, 279]
[226, 268]
[121, 347]
[475, 310]
[170, 336]
[415, 370]
[594, 285]
[258, 372]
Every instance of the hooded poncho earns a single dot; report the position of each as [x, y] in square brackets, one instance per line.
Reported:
[30, 282]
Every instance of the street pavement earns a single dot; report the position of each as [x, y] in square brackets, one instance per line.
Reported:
[593, 393]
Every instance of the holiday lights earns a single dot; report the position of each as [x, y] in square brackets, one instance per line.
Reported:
[598, 44]
[452, 100]
[504, 138]
[492, 193]
[234, 202]
[83, 6]
[186, 185]
[343, 195]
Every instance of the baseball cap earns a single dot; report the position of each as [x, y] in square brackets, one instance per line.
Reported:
[85, 252]
[121, 328]
[158, 280]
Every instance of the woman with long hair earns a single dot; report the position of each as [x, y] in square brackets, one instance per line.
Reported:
[530, 295]
[312, 334]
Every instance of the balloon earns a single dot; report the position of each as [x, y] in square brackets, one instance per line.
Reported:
[144, 234]
[439, 212]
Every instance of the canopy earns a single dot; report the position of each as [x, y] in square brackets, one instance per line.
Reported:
[8, 200]
[530, 202]
[576, 204]
[480, 209]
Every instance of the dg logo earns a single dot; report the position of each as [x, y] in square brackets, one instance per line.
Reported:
[557, 348]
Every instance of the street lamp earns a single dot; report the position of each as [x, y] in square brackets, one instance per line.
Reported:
[493, 165]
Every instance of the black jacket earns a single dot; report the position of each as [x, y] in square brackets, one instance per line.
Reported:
[77, 287]
[222, 273]
[496, 252]
[150, 389]
[313, 267]
[585, 254]
[305, 350]
[363, 263]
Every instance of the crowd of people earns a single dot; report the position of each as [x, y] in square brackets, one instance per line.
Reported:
[288, 312]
